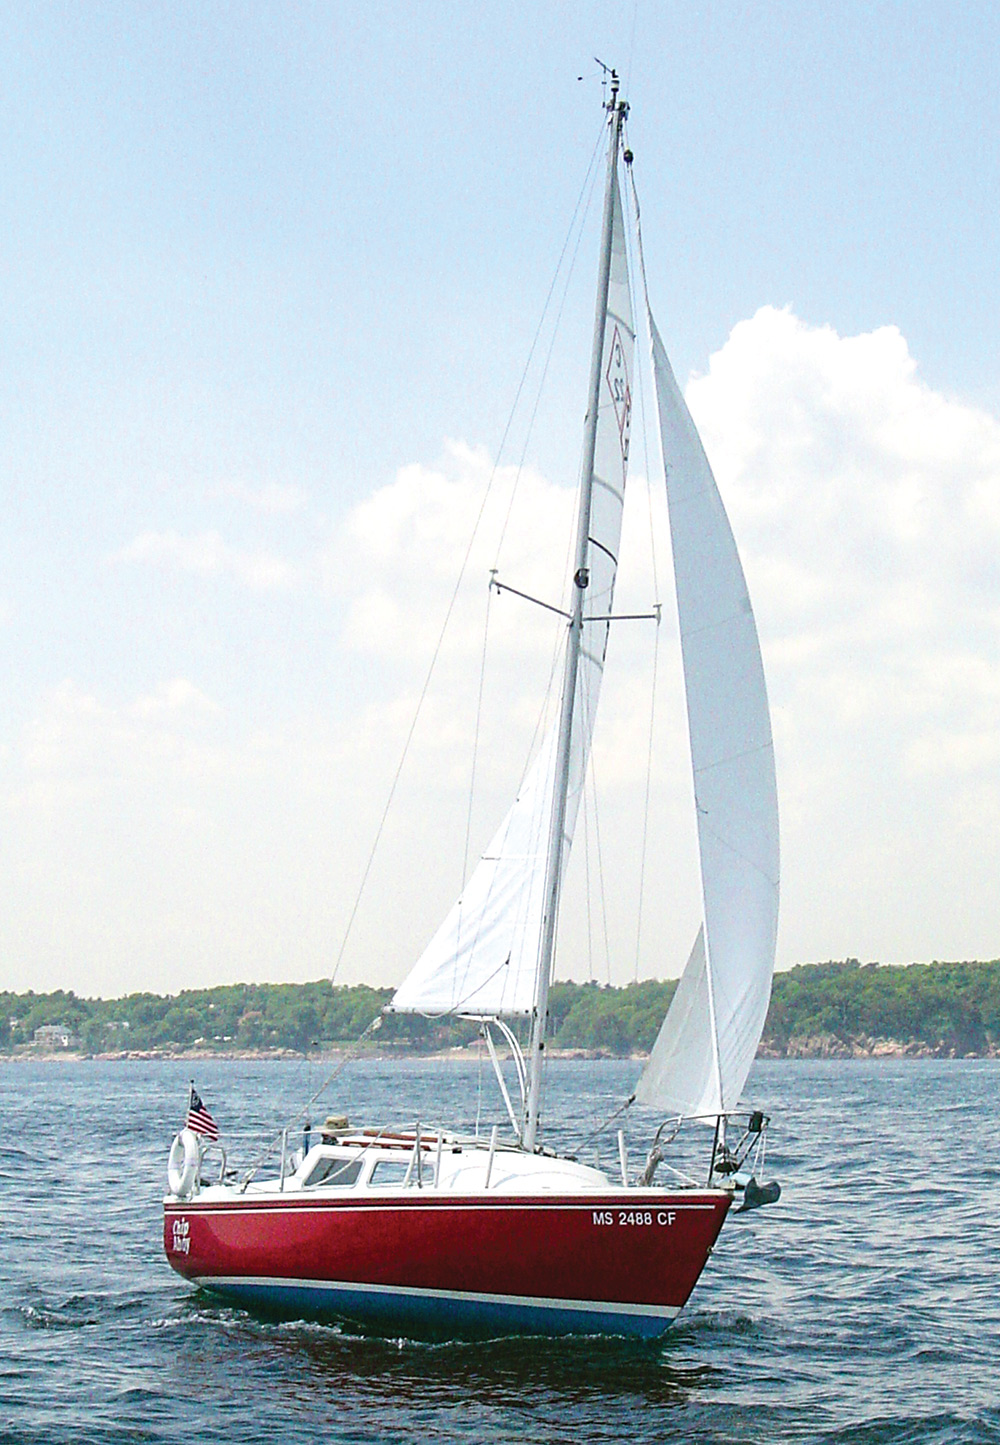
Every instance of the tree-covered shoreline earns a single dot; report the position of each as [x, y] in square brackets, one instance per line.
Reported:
[825, 1009]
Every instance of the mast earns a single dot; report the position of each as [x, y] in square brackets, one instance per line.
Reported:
[617, 111]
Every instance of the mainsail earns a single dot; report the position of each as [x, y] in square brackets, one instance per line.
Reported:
[703, 1054]
[484, 957]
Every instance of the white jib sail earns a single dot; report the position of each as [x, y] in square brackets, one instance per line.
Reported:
[709, 1038]
[483, 959]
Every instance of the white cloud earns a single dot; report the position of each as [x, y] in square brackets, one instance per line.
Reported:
[866, 509]
[273, 499]
[79, 747]
[174, 699]
[398, 556]
[844, 465]
[187, 840]
[162, 842]
[208, 555]
[861, 497]
[865, 506]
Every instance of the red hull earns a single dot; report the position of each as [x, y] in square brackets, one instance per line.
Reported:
[624, 1262]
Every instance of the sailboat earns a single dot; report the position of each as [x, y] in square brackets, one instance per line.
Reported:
[426, 1229]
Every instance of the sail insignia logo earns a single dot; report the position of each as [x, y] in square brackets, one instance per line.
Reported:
[621, 392]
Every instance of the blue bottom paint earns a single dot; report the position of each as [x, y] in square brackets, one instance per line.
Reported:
[435, 1316]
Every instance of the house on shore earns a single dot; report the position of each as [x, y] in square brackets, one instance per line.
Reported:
[53, 1036]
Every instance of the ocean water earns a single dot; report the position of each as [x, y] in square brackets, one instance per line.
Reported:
[864, 1307]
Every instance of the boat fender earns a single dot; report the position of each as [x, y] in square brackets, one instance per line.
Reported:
[755, 1195]
[182, 1166]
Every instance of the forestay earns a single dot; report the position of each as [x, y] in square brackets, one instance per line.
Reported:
[709, 1038]
[484, 957]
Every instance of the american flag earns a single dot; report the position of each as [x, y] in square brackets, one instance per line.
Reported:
[199, 1120]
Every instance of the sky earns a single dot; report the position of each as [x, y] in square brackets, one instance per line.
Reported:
[271, 276]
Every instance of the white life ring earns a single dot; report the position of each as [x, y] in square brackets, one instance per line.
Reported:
[182, 1167]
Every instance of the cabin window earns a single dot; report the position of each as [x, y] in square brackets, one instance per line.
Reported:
[334, 1173]
[390, 1173]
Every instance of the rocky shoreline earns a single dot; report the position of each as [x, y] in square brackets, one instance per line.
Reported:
[818, 1046]
[829, 1046]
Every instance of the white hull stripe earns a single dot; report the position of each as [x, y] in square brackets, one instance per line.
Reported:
[435, 1202]
[524, 1301]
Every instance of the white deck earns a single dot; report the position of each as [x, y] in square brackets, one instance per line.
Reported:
[376, 1165]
